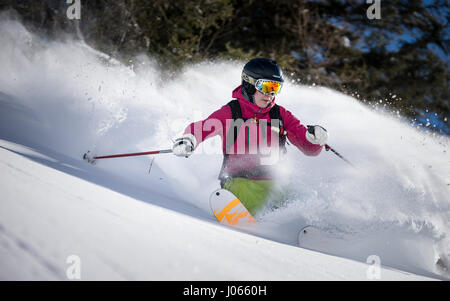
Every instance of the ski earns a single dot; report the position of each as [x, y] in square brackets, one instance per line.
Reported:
[228, 209]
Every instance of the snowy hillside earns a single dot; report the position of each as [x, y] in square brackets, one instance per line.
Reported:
[48, 215]
[139, 218]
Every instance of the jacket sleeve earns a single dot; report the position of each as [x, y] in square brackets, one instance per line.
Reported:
[296, 133]
[212, 126]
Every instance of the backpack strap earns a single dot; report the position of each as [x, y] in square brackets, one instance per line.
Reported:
[274, 113]
[236, 113]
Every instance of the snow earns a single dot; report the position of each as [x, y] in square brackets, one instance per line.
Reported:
[124, 220]
[48, 215]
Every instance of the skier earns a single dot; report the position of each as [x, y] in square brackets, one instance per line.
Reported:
[246, 170]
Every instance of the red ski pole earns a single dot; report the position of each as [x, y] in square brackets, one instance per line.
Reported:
[91, 159]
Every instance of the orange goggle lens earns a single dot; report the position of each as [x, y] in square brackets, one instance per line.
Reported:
[268, 87]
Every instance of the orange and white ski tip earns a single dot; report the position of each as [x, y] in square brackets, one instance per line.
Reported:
[233, 213]
[228, 209]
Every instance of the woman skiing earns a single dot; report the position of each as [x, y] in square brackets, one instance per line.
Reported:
[253, 130]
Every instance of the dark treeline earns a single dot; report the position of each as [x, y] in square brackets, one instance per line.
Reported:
[400, 59]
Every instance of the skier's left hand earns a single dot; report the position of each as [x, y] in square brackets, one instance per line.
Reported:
[316, 134]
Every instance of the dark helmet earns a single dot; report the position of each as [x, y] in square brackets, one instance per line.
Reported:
[259, 68]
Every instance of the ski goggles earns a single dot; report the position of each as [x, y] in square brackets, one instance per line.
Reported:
[268, 86]
[265, 86]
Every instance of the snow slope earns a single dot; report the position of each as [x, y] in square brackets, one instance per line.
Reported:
[127, 221]
[117, 237]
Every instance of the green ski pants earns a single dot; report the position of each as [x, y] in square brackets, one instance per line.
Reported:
[254, 194]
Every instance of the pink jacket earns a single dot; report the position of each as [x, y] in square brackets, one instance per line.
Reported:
[244, 155]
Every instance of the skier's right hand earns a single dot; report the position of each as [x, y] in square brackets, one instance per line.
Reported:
[184, 145]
